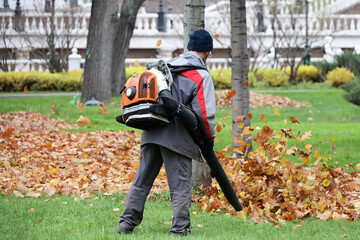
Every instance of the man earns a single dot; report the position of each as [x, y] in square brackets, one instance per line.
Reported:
[173, 144]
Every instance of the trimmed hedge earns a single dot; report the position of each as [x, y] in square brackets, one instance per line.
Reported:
[40, 81]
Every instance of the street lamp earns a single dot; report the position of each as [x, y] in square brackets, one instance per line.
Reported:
[6, 4]
[307, 53]
[17, 17]
[161, 21]
[17, 9]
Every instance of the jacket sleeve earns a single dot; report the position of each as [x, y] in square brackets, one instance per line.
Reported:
[203, 102]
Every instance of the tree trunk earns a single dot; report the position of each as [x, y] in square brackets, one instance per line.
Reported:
[97, 75]
[194, 19]
[124, 31]
[194, 11]
[239, 77]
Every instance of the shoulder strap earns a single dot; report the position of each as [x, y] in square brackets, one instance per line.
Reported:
[180, 69]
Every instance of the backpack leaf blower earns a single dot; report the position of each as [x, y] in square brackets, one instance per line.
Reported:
[158, 106]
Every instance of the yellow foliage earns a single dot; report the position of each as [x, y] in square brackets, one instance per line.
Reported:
[339, 76]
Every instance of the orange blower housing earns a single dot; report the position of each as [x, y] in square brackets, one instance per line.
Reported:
[139, 97]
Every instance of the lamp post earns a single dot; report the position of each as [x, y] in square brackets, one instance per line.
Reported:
[17, 9]
[17, 17]
[161, 21]
[6, 4]
[307, 53]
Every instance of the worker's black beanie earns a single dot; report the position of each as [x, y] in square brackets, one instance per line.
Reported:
[200, 41]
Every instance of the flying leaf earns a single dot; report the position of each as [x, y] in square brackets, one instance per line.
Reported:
[216, 35]
[246, 84]
[79, 105]
[307, 135]
[276, 112]
[293, 120]
[249, 115]
[103, 109]
[218, 128]
[25, 89]
[158, 43]
[136, 64]
[248, 130]
[54, 110]
[262, 118]
[230, 94]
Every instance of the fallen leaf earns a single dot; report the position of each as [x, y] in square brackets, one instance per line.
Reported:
[116, 209]
[293, 120]
[276, 111]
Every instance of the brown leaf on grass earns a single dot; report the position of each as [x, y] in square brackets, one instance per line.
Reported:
[293, 120]
[83, 120]
[54, 110]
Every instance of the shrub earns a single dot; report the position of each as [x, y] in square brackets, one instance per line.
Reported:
[324, 67]
[350, 61]
[221, 78]
[352, 91]
[306, 73]
[40, 81]
[275, 77]
[339, 76]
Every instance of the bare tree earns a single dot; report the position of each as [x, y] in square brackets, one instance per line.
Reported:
[194, 19]
[239, 77]
[108, 44]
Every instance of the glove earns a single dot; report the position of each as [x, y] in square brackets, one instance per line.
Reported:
[207, 146]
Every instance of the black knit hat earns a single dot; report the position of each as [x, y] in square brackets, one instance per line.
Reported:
[200, 41]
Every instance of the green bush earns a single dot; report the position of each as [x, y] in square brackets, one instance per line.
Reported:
[339, 76]
[352, 91]
[40, 81]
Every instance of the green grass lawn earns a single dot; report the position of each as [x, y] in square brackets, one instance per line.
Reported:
[63, 217]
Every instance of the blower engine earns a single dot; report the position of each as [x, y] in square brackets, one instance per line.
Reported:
[147, 102]
[140, 98]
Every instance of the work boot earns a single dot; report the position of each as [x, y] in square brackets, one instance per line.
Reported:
[182, 233]
[124, 228]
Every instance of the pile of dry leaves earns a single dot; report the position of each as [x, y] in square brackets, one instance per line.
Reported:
[224, 100]
[38, 157]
